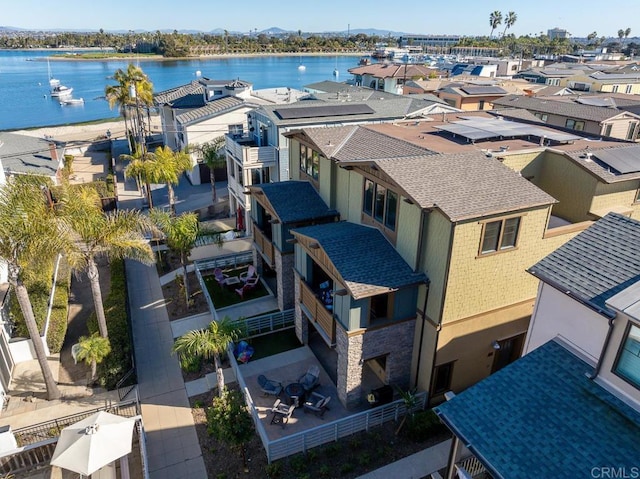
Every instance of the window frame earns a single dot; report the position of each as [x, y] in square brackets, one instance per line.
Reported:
[500, 248]
[449, 378]
[369, 205]
[621, 350]
[309, 163]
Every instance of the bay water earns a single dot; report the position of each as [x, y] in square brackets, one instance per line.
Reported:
[24, 81]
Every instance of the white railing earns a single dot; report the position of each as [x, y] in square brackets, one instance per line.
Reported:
[267, 323]
[249, 154]
[205, 292]
[142, 441]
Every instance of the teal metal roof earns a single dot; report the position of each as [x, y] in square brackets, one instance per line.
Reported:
[543, 417]
[296, 201]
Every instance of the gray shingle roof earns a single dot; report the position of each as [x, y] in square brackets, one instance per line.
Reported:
[542, 417]
[557, 107]
[210, 109]
[172, 94]
[366, 261]
[463, 186]
[28, 154]
[601, 170]
[295, 201]
[354, 143]
[598, 263]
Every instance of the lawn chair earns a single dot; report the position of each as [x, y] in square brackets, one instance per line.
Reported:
[311, 378]
[247, 275]
[317, 404]
[281, 413]
[268, 386]
[221, 278]
[249, 285]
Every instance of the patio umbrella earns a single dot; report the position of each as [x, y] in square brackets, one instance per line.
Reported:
[94, 442]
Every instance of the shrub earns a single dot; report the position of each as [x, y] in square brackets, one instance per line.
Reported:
[191, 364]
[298, 464]
[325, 470]
[58, 319]
[274, 470]
[346, 468]
[423, 425]
[364, 459]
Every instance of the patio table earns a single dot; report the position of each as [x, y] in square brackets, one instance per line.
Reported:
[295, 393]
[232, 281]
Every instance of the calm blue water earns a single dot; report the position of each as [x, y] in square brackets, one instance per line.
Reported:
[24, 85]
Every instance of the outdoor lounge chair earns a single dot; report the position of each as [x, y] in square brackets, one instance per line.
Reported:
[249, 285]
[247, 275]
[221, 278]
[317, 404]
[281, 413]
[268, 386]
[311, 378]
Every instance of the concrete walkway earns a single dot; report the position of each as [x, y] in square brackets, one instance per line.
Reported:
[172, 444]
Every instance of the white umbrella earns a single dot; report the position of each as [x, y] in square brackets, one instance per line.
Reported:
[94, 442]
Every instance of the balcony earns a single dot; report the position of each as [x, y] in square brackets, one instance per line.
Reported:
[263, 244]
[248, 152]
[318, 313]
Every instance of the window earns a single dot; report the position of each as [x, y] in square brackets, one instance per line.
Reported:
[380, 203]
[255, 176]
[236, 130]
[574, 124]
[615, 89]
[628, 89]
[481, 105]
[607, 129]
[239, 175]
[442, 378]
[500, 235]
[628, 362]
[379, 307]
[631, 132]
[232, 169]
[542, 116]
[637, 200]
[309, 161]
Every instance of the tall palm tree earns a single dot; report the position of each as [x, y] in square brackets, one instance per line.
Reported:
[209, 343]
[214, 157]
[620, 34]
[141, 169]
[166, 166]
[116, 235]
[627, 32]
[181, 233]
[29, 236]
[93, 350]
[509, 21]
[495, 19]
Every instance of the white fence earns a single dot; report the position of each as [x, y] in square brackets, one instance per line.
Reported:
[267, 323]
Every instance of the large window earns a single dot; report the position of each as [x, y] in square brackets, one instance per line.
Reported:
[442, 378]
[500, 235]
[381, 204]
[574, 124]
[309, 161]
[628, 363]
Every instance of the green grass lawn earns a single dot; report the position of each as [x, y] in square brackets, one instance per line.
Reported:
[274, 343]
[223, 296]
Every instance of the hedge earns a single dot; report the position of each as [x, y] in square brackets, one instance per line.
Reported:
[60, 309]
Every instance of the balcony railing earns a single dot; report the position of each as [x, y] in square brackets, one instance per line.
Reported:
[264, 244]
[245, 150]
[319, 313]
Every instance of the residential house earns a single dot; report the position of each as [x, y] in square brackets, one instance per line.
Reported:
[390, 77]
[606, 82]
[590, 119]
[547, 75]
[580, 374]
[472, 69]
[30, 155]
[261, 154]
[471, 97]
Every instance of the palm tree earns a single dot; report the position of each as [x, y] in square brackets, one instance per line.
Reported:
[29, 236]
[627, 32]
[140, 168]
[116, 235]
[509, 21]
[208, 343]
[181, 233]
[93, 350]
[214, 157]
[166, 166]
[495, 19]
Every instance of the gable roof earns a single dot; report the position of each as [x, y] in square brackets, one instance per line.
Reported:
[295, 201]
[542, 417]
[463, 186]
[29, 155]
[209, 109]
[588, 159]
[392, 70]
[556, 107]
[366, 261]
[592, 267]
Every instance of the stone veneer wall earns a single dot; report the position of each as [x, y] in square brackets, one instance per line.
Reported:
[284, 273]
[302, 324]
[395, 340]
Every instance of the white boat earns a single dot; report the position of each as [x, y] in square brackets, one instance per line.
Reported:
[301, 67]
[56, 89]
[72, 101]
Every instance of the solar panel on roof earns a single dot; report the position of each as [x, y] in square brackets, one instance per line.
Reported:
[475, 128]
[323, 111]
[623, 160]
[483, 90]
[467, 132]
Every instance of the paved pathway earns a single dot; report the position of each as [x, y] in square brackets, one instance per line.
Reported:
[172, 443]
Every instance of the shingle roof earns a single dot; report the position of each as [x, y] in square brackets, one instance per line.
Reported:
[211, 108]
[556, 107]
[542, 417]
[463, 186]
[598, 263]
[392, 70]
[606, 174]
[28, 154]
[354, 143]
[363, 257]
[172, 94]
[295, 201]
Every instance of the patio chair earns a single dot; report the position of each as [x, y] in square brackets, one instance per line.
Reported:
[250, 273]
[249, 285]
[311, 378]
[317, 404]
[268, 386]
[221, 278]
[281, 413]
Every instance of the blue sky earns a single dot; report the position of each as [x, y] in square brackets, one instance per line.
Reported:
[466, 17]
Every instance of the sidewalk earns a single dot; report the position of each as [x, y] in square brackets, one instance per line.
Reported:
[172, 444]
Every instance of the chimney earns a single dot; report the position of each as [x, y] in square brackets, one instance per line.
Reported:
[53, 151]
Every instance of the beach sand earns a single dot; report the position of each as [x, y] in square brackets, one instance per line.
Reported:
[79, 132]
